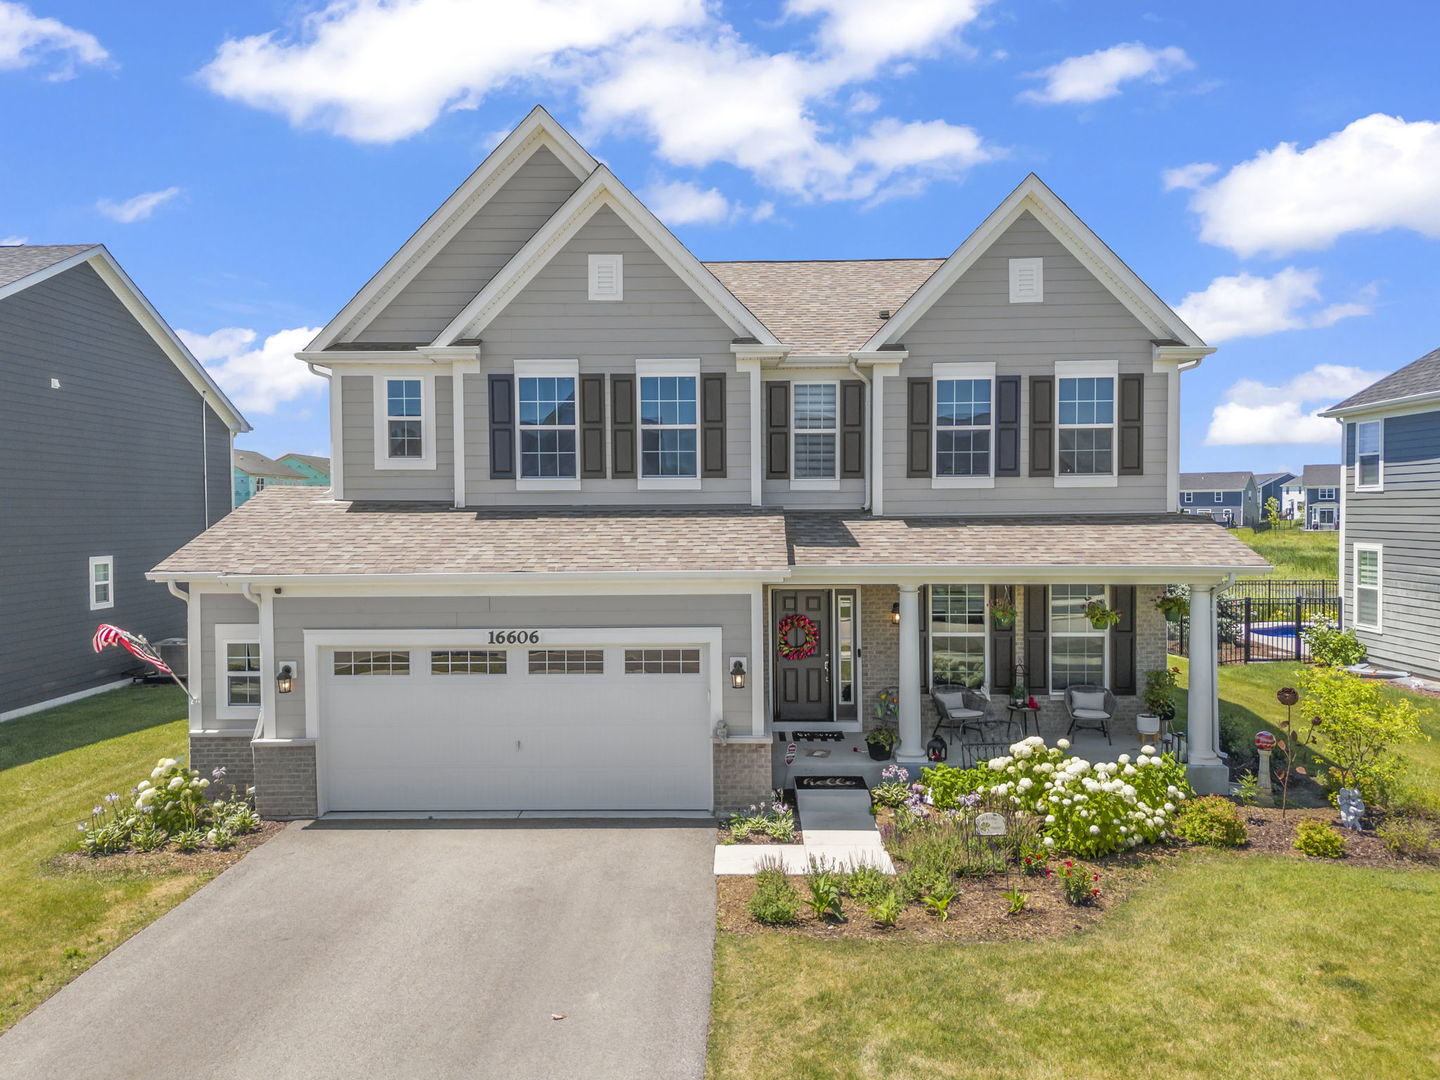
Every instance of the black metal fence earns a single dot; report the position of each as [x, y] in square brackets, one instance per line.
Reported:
[1262, 620]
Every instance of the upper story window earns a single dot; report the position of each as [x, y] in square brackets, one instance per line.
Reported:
[404, 422]
[1086, 425]
[547, 427]
[1188, 496]
[964, 418]
[1325, 494]
[815, 425]
[102, 582]
[1369, 450]
[668, 427]
[1219, 496]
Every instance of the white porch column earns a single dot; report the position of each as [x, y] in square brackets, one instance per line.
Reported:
[912, 746]
[1207, 772]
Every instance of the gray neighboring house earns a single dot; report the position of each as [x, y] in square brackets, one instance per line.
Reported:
[1390, 529]
[114, 449]
[608, 524]
[1272, 486]
[1321, 487]
[1231, 498]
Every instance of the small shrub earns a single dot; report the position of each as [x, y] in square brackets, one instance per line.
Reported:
[938, 901]
[947, 784]
[774, 819]
[775, 902]
[1247, 789]
[1211, 821]
[1081, 887]
[886, 908]
[1319, 840]
[918, 881]
[1411, 838]
[894, 787]
[1016, 900]
[149, 838]
[1034, 864]
[238, 817]
[1330, 646]
[867, 883]
[188, 841]
[825, 886]
[220, 839]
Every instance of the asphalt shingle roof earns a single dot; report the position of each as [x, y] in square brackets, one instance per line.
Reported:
[1261, 479]
[824, 307]
[249, 461]
[1417, 377]
[1320, 476]
[1214, 481]
[320, 463]
[21, 260]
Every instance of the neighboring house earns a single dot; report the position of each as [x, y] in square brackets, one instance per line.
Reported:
[92, 380]
[592, 498]
[255, 472]
[316, 470]
[1389, 540]
[1231, 498]
[1272, 486]
[1321, 486]
[1292, 499]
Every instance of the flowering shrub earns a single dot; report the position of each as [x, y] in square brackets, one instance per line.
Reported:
[169, 806]
[1081, 887]
[774, 819]
[894, 787]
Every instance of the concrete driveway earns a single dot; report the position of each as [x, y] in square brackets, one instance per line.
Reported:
[409, 949]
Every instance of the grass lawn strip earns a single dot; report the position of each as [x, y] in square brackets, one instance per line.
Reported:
[1295, 553]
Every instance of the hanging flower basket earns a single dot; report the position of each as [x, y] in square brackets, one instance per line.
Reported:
[808, 645]
[1003, 613]
[1100, 616]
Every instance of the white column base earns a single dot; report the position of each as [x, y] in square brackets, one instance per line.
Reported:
[1209, 779]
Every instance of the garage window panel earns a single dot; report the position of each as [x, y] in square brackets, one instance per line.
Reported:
[372, 663]
[468, 662]
[567, 662]
[662, 661]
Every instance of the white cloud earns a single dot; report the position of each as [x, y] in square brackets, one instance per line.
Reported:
[1377, 173]
[136, 209]
[1245, 305]
[258, 379]
[1098, 75]
[26, 39]
[1188, 176]
[1255, 414]
[862, 34]
[11, 241]
[683, 203]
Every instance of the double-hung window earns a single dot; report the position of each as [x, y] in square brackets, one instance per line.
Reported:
[237, 671]
[1368, 571]
[1188, 496]
[957, 635]
[668, 392]
[1085, 393]
[964, 421]
[102, 582]
[547, 415]
[1325, 494]
[1077, 649]
[815, 426]
[1369, 449]
[1219, 496]
[404, 422]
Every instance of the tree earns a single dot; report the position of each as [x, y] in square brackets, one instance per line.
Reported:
[1272, 511]
[1359, 724]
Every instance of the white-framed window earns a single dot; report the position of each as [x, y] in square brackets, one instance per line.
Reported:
[1085, 423]
[467, 662]
[607, 277]
[1219, 496]
[1187, 496]
[1324, 515]
[814, 434]
[958, 653]
[1326, 494]
[1077, 649]
[1369, 577]
[1027, 281]
[547, 428]
[404, 421]
[566, 661]
[102, 582]
[668, 408]
[1369, 455]
[662, 661]
[259, 484]
[964, 395]
[237, 671]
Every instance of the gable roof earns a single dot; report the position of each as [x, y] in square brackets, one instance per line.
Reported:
[1321, 476]
[24, 266]
[1031, 194]
[320, 463]
[1261, 479]
[1215, 481]
[1417, 379]
[824, 307]
[248, 461]
[538, 129]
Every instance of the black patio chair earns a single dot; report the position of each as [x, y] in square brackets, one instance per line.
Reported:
[962, 709]
[1091, 707]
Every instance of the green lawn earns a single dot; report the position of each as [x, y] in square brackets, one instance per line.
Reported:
[54, 766]
[1295, 553]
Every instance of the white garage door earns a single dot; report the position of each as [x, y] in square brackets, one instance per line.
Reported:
[487, 728]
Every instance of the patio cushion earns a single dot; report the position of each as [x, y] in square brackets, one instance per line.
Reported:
[954, 704]
[1092, 700]
[1090, 714]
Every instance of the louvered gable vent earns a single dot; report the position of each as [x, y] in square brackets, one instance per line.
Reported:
[607, 277]
[1027, 281]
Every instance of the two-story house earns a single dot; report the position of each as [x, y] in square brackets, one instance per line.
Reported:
[1272, 486]
[1231, 498]
[254, 472]
[92, 378]
[1390, 486]
[1321, 485]
[606, 520]
[315, 469]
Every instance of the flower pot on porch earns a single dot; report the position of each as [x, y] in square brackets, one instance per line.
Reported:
[880, 753]
[1147, 724]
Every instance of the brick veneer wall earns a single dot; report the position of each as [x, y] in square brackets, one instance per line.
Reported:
[742, 775]
[208, 752]
[285, 781]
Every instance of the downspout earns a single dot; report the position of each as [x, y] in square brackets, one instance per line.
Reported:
[869, 433]
[205, 456]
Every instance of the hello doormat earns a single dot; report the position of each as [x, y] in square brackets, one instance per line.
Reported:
[828, 783]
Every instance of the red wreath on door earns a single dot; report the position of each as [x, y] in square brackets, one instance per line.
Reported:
[808, 647]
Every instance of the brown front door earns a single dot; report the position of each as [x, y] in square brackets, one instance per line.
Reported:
[802, 668]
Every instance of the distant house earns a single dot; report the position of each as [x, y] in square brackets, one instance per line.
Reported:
[1321, 484]
[1231, 498]
[92, 380]
[1390, 547]
[316, 470]
[1272, 486]
[255, 472]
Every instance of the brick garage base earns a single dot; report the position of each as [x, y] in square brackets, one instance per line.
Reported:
[208, 752]
[285, 780]
[742, 775]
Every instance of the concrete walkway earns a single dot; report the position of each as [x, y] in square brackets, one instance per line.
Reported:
[403, 949]
[838, 828]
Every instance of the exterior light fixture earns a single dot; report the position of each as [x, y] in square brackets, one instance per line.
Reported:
[895, 614]
[737, 672]
[285, 678]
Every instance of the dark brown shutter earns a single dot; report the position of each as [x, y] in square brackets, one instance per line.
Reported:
[622, 427]
[592, 427]
[926, 668]
[1007, 425]
[712, 424]
[1002, 642]
[777, 430]
[1122, 641]
[917, 427]
[852, 429]
[1037, 639]
[502, 427]
[1042, 427]
[1132, 425]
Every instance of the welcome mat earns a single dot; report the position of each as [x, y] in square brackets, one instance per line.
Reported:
[829, 783]
[818, 736]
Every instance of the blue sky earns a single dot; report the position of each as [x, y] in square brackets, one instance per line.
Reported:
[1270, 169]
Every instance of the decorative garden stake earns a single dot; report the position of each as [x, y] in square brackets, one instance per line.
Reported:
[992, 827]
[1352, 808]
[1264, 744]
[1293, 742]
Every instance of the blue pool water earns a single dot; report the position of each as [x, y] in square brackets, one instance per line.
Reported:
[1274, 631]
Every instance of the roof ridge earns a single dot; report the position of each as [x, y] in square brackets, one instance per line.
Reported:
[792, 262]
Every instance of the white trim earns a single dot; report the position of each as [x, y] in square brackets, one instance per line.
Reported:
[1089, 369]
[983, 634]
[381, 401]
[63, 699]
[107, 561]
[1378, 550]
[1032, 195]
[662, 369]
[234, 634]
[546, 369]
[669, 483]
[973, 371]
[547, 483]
[594, 266]
[759, 664]
[538, 129]
[602, 189]
[1172, 434]
[194, 650]
[1051, 635]
[876, 435]
[457, 426]
[1219, 496]
[751, 366]
[1019, 293]
[1379, 484]
[1397, 406]
[942, 482]
[814, 483]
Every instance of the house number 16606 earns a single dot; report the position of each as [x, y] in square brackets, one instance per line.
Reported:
[514, 637]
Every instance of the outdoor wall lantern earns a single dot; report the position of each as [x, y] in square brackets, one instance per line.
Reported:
[285, 677]
[895, 614]
[737, 672]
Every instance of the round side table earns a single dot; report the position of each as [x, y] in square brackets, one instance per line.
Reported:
[1023, 713]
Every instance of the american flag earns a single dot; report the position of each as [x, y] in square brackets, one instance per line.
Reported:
[107, 635]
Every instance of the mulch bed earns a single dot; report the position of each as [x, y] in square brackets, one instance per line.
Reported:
[165, 861]
[1272, 834]
[722, 836]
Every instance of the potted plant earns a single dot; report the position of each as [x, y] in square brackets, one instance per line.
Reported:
[881, 741]
[1100, 616]
[1159, 705]
[1002, 610]
[1174, 602]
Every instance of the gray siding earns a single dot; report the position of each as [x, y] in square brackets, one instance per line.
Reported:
[218, 609]
[1402, 520]
[112, 463]
[470, 259]
[361, 479]
[1079, 320]
[849, 496]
